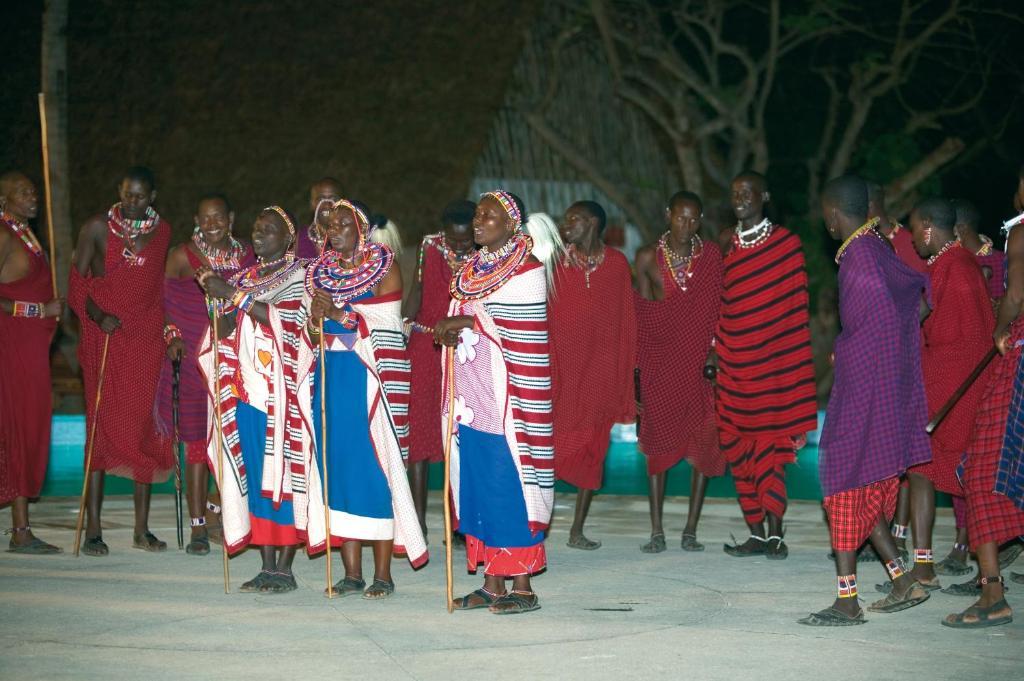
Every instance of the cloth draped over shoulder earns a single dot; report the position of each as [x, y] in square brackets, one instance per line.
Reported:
[380, 346]
[765, 369]
[25, 398]
[593, 346]
[956, 335]
[874, 425]
[903, 244]
[127, 441]
[512, 323]
[674, 336]
[284, 355]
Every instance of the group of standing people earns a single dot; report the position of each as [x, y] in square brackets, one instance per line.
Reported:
[318, 399]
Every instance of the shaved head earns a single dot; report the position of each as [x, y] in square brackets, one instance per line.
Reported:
[757, 179]
[9, 179]
[937, 211]
[849, 195]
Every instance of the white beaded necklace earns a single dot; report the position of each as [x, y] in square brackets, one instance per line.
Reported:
[754, 236]
[1012, 222]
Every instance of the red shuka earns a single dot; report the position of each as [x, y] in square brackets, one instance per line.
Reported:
[127, 442]
[593, 346]
[903, 244]
[425, 385]
[765, 371]
[25, 400]
[674, 336]
[956, 335]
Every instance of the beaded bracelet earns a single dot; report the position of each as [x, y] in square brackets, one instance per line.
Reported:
[171, 332]
[243, 301]
[23, 309]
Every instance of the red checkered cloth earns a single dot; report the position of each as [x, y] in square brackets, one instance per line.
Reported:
[673, 339]
[853, 514]
[505, 561]
[992, 517]
[593, 348]
[956, 335]
[195, 452]
[758, 470]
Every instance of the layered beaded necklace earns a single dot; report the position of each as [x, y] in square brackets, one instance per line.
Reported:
[867, 228]
[754, 236]
[681, 266]
[588, 263]
[251, 281]
[129, 230]
[454, 259]
[986, 245]
[219, 260]
[23, 232]
[486, 272]
[342, 280]
[946, 247]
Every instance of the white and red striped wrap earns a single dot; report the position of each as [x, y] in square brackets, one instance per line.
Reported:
[289, 433]
[380, 346]
[514, 319]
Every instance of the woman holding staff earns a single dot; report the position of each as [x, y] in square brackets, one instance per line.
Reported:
[265, 360]
[356, 291]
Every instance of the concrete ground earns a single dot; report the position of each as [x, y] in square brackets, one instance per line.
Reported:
[611, 613]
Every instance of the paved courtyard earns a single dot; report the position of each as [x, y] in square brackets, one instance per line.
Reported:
[609, 614]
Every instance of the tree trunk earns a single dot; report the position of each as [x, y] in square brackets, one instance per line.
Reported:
[54, 87]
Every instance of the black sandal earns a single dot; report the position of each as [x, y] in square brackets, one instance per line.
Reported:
[689, 542]
[983, 615]
[775, 548]
[379, 590]
[914, 595]
[256, 583]
[754, 546]
[656, 545]
[516, 603]
[95, 546]
[830, 617]
[148, 542]
[969, 588]
[347, 586]
[486, 600]
[198, 546]
[35, 546]
[279, 583]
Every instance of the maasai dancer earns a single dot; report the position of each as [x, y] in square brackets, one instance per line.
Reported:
[874, 426]
[212, 246]
[265, 368]
[502, 454]
[116, 290]
[765, 381]
[310, 239]
[357, 292]
[679, 289]
[992, 261]
[993, 475]
[899, 236]
[28, 311]
[957, 334]
[593, 350]
[440, 256]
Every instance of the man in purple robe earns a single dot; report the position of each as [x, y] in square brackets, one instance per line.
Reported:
[874, 426]
[309, 241]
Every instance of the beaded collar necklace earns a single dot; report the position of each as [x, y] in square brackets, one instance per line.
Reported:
[681, 266]
[986, 245]
[23, 232]
[754, 236]
[949, 245]
[219, 260]
[251, 281]
[867, 228]
[454, 259]
[335, 275]
[486, 272]
[588, 263]
[129, 230]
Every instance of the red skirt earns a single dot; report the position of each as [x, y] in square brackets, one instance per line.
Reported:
[505, 562]
[853, 514]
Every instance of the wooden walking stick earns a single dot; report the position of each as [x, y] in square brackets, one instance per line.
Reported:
[964, 387]
[90, 443]
[49, 196]
[219, 434]
[450, 376]
[323, 457]
[175, 401]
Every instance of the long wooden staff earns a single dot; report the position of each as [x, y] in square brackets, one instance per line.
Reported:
[323, 457]
[92, 441]
[176, 447]
[450, 376]
[219, 434]
[49, 195]
[964, 387]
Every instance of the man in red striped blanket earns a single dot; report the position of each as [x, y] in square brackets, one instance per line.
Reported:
[765, 381]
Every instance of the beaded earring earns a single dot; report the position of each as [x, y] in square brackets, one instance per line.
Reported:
[928, 236]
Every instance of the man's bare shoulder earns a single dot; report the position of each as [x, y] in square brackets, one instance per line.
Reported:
[94, 227]
[645, 255]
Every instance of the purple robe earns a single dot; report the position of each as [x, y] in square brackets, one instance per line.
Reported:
[305, 247]
[874, 424]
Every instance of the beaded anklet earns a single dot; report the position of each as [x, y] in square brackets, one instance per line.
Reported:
[198, 522]
[895, 567]
[923, 556]
[899, 531]
[28, 310]
[960, 547]
[847, 586]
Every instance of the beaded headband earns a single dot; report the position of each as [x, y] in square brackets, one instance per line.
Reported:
[509, 204]
[362, 221]
[284, 216]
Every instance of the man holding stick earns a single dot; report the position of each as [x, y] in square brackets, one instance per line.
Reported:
[116, 290]
[874, 427]
[28, 312]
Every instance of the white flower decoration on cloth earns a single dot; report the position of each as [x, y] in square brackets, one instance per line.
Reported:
[466, 349]
[463, 412]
